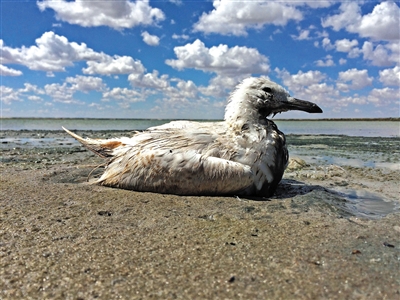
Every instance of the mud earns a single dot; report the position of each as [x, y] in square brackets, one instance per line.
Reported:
[331, 231]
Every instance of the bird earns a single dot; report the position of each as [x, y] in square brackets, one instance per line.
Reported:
[243, 155]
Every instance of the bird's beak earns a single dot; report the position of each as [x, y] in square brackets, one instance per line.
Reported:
[296, 104]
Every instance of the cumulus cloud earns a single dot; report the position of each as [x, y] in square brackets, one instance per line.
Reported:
[86, 83]
[378, 55]
[381, 55]
[180, 37]
[390, 77]
[358, 79]
[108, 65]
[345, 45]
[8, 95]
[51, 53]
[115, 14]
[124, 96]
[327, 62]
[220, 86]
[301, 79]
[64, 92]
[219, 59]
[31, 88]
[385, 96]
[5, 71]
[29, 91]
[381, 24]
[309, 86]
[149, 80]
[326, 44]
[35, 98]
[149, 39]
[235, 17]
[303, 35]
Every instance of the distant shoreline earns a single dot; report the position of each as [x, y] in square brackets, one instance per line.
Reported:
[211, 120]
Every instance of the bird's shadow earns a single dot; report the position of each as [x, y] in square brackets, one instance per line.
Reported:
[289, 188]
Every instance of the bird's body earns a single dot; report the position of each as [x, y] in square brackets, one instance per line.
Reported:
[244, 155]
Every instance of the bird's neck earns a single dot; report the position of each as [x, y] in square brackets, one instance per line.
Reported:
[240, 111]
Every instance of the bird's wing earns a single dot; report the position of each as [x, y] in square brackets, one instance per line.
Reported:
[176, 172]
[186, 160]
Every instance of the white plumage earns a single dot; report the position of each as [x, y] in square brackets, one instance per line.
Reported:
[245, 154]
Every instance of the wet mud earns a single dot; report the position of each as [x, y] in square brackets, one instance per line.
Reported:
[331, 231]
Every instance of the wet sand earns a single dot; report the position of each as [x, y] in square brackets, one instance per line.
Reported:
[329, 232]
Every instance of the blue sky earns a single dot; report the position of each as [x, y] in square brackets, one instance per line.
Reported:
[180, 59]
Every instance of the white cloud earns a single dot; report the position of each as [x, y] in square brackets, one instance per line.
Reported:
[315, 3]
[35, 98]
[180, 37]
[301, 79]
[8, 95]
[303, 35]
[359, 79]
[349, 14]
[124, 96]
[328, 62]
[235, 17]
[381, 24]
[177, 2]
[5, 71]
[64, 92]
[220, 86]
[108, 65]
[219, 59]
[86, 83]
[51, 53]
[345, 45]
[309, 86]
[149, 80]
[115, 14]
[354, 99]
[31, 88]
[187, 89]
[326, 44]
[60, 92]
[29, 91]
[385, 96]
[380, 55]
[390, 76]
[149, 39]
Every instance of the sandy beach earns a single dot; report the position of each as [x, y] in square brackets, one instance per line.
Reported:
[332, 231]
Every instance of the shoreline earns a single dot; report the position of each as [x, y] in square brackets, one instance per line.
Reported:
[395, 119]
[329, 230]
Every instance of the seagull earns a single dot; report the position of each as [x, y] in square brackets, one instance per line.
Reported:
[244, 155]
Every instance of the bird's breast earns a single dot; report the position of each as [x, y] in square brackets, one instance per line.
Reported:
[264, 149]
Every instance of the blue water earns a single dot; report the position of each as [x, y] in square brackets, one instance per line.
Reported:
[301, 127]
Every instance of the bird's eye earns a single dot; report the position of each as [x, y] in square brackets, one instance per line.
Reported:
[267, 90]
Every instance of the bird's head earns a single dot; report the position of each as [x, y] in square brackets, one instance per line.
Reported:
[262, 97]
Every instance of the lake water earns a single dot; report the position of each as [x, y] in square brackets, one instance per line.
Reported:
[341, 127]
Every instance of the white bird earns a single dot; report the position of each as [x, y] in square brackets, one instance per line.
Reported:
[245, 154]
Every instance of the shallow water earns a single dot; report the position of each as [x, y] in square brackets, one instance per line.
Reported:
[362, 203]
[370, 128]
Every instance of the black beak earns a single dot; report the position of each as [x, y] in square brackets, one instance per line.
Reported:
[296, 104]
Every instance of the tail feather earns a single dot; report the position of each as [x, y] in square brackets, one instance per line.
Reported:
[102, 148]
